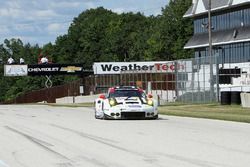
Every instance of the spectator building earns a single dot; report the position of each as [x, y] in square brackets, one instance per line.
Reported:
[230, 36]
[230, 22]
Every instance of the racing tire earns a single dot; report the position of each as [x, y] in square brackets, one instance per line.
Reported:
[106, 117]
[96, 117]
[155, 117]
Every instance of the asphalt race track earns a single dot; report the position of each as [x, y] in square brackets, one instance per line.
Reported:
[44, 136]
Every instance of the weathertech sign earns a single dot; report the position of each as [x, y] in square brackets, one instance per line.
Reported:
[140, 67]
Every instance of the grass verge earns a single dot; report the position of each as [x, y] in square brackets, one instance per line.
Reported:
[210, 111]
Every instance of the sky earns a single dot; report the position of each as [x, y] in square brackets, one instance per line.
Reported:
[42, 21]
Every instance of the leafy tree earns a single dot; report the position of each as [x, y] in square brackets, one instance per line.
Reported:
[133, 36]
[99, 35]
[174, 30]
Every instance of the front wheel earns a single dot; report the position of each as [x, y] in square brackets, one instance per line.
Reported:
[100, 116]
[155, 117]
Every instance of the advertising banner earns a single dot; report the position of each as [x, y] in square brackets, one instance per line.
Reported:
[141, 67]
[15, 70]
[57, 69]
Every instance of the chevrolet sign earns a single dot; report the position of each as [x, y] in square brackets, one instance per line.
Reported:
[57, 69]
[71, 69]
[43, 69]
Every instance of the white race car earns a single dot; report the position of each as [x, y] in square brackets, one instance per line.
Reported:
[126, 102]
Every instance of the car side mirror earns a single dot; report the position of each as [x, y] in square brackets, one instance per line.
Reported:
[102, 96]
[150, 96]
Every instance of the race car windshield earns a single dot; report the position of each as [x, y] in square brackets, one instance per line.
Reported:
[126, 93]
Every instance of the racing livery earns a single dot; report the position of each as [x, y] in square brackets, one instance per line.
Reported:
[126, 102]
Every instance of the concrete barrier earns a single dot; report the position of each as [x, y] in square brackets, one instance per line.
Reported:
[65, 100]
[245, 100]
[77, 99]
[86, 99]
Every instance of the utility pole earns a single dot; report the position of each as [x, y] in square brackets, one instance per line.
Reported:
[210, 52]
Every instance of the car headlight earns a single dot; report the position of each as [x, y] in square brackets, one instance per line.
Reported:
[150, 102]
[112, 102]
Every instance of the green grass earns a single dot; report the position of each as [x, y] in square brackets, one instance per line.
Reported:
[210, 111]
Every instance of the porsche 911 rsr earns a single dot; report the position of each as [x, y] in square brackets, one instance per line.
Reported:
[126, 103]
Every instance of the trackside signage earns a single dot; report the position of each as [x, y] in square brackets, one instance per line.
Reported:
[15, 70]
[141, 67]
[57, 69]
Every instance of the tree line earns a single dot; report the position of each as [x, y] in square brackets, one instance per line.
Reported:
[98, 35]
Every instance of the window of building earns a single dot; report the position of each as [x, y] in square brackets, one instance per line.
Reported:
[246, 17]
[235, 19]
[247, 51]
[232, 53]
[224, 21]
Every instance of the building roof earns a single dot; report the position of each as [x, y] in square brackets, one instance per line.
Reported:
[219, 38]
[200, 7]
